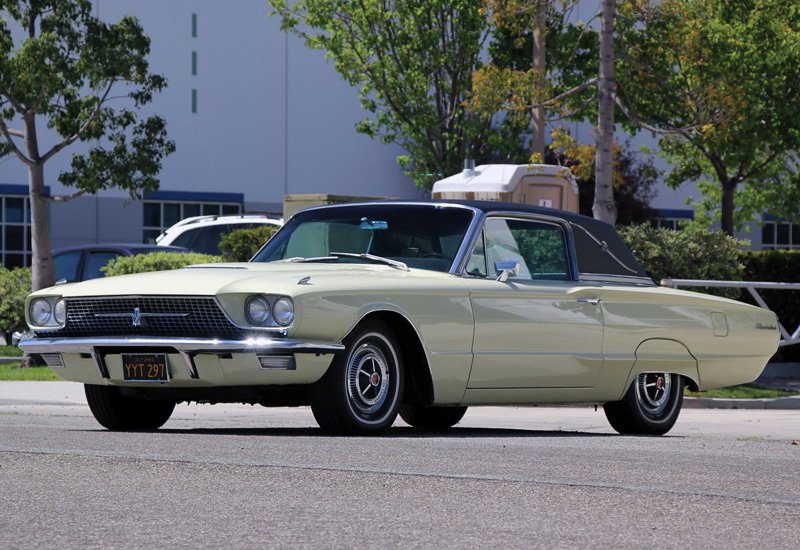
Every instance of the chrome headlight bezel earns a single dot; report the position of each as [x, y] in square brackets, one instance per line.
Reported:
[269, 311]
[47, 312]
[283, 311]
[60, 312]
[258, 311]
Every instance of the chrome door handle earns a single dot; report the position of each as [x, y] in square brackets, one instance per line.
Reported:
[593, 301]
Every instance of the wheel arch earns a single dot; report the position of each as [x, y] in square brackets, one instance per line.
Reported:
[664, 355]
[419, 384]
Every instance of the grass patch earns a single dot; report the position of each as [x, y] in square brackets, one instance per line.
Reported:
[10, 351]
[13, 371]
[745, 391]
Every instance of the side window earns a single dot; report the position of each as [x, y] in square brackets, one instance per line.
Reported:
[67, 265]
[476, 265]
[186, 238]
[94, 261]
[208, 240]
[539, 247]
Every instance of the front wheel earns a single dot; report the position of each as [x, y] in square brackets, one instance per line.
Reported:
[650, 406]
[120, 413]
[361, 392]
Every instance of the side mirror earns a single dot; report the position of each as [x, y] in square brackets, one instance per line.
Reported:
[506, 269]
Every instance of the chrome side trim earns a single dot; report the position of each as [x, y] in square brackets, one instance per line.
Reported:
[187, 345]
[468, 244]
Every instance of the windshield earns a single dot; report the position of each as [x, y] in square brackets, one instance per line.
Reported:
[420, 236]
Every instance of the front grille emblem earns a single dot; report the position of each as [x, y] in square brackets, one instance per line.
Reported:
[139, 319]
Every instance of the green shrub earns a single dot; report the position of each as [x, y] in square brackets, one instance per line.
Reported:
[240, 245]
[782, 266]
[15, 285]
[156, 261]
[689, 254]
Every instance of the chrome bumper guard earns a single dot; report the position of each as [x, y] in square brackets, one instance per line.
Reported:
[186, 347]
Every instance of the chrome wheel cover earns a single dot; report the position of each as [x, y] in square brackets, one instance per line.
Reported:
[368, 378]
[653, 390]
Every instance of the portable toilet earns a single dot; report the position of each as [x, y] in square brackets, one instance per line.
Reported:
[538, 184]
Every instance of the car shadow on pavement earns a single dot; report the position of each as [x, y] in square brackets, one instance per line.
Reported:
[398, 432]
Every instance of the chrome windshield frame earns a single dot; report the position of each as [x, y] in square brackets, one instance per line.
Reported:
[463, 251]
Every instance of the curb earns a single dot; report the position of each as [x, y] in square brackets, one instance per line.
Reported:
[779, 403]
[4, 360]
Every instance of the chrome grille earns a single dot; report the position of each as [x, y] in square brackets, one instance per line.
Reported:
[154, 315]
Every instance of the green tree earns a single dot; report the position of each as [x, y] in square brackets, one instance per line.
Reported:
[412, 61]
[66, 69]
[726, 75]
[530, 89]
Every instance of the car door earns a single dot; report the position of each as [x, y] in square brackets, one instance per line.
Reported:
[539, 328]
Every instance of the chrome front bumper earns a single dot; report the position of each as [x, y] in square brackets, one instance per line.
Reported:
[272, 353]
[186, 345]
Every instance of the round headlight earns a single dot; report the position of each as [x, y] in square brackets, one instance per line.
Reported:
[41, 312]
[283, 311]
[60, 312]
[258, 310]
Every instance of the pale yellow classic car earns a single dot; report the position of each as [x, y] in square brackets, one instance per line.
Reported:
[364, 311]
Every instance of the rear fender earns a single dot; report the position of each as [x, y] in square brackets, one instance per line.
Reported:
[663, 355]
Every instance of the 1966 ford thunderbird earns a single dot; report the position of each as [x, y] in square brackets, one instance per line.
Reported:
[368, 310]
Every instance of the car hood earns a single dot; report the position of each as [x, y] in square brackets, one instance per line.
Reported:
[211, 279]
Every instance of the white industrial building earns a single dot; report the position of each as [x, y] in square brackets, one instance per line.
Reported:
[255, 115]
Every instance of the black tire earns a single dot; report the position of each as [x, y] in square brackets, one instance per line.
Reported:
[431, 417]
[361, 392]
[117, 412]
[650, 406]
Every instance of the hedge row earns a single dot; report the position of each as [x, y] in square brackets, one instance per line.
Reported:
[156, 261]
[15, 284]
[242, 244]
[690, 254]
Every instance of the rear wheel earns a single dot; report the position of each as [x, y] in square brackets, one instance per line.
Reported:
[361, 391]
[431, 417]
[120, 413]
[650, 407]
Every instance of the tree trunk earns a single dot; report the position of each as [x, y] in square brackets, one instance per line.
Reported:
[728, 190]
[604, 207]
[44, 273]
[540, 67]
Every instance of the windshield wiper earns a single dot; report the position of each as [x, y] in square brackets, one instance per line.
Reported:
[371, 257]
[301, 259]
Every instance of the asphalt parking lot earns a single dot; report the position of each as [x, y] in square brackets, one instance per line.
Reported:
[240, 476]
